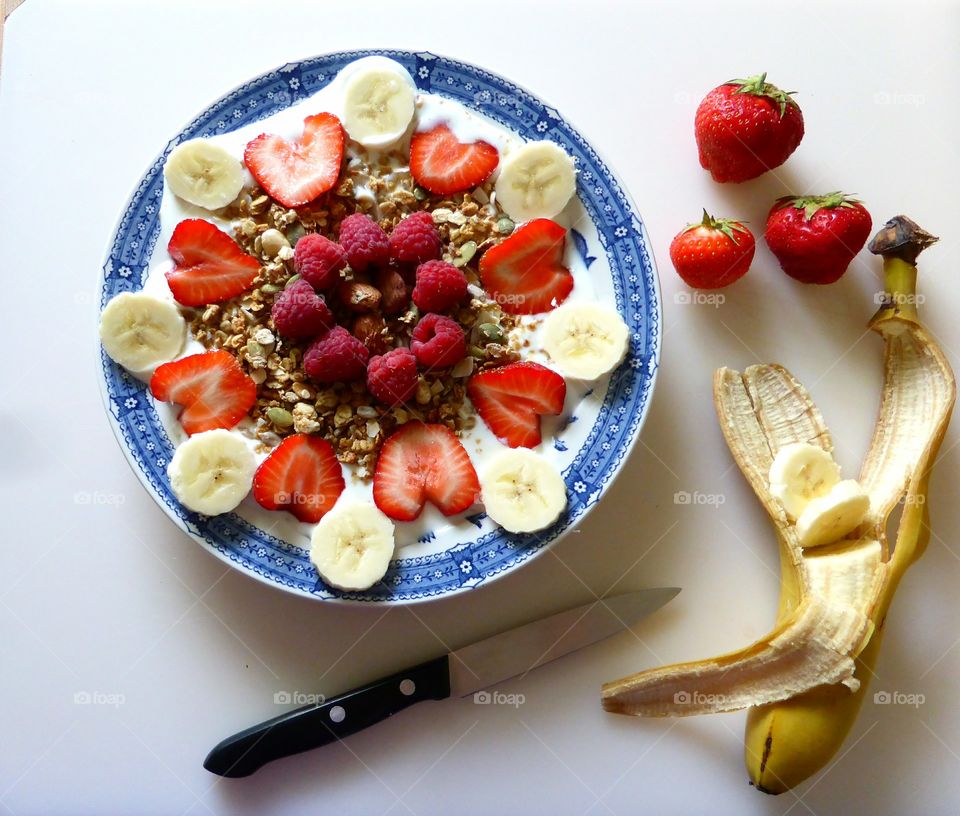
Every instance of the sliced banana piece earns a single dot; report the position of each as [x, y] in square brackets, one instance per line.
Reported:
[522, 491]
[536, 180]
[140, 331]
[212, 472]
[378, 104]
[352, 545]
[829, 518]
[801, 472]
[585, 340]
[204, 174]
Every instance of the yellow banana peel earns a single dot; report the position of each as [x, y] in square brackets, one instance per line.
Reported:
[805, 681]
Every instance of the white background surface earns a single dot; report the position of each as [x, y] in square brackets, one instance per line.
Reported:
[111, 599]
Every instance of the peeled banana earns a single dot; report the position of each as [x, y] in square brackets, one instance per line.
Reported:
[805, 680]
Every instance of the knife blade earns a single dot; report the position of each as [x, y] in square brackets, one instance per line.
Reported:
[461, 672]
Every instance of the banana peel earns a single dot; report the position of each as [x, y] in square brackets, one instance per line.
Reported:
[804, 681]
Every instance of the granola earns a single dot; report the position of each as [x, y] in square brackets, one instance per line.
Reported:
[345, 414]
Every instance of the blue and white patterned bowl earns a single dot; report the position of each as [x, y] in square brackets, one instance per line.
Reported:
[610, 242]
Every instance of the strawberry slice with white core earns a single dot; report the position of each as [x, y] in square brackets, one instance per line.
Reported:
[302, 475]
[511, 399]
[525, 273]
[209, 266]
[421, 463]
[296, 172]
[211, 387]
[442, 164]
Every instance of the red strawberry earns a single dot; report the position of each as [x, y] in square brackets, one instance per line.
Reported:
[816, 237]
[295, 173]
[525, 273]
[210, 266]
[511, 400]
[301, 475]
[442, 164]
[713, 253]
[211, 387]
[746, 127]
[421, 463]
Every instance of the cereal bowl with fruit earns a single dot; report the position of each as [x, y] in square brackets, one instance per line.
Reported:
[378, 326]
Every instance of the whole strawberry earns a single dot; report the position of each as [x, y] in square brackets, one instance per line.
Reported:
[713, 253]
[746, 127]
[816, 237]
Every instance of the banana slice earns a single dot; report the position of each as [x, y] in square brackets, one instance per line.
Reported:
[378, 102]
[352, 545]
[522, 491]
[212, 472]
[585, 340]
[829, 518]
[140, 331]
[536, 180]
[801, 472]
[204, 174]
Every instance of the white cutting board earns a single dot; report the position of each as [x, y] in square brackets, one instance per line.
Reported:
[100, 595]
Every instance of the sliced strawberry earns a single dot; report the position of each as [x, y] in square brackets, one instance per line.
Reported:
[301, 475]
[511, 400]
[211, 387]
[444, 165]
[295, 173]
[525, 273]
[210, 266]
[421, 463]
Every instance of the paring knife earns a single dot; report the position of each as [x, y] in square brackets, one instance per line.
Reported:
[459, 673]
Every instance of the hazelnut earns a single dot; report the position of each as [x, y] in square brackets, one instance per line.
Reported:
[368, 329]
[395, 294]
[359, 297]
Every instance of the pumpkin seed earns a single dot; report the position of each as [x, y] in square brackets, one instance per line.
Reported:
[280, 417]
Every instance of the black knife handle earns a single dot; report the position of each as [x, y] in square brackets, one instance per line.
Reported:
[316, 725]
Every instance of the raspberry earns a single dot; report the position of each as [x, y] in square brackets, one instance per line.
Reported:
[415, 240]
[440, 286]
[299, 312]
[392, 377]
[336, 357]
[438, 342]
[364, 242]
[318, 261]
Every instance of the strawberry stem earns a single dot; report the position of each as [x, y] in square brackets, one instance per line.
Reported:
[758, 86]
[727, 226]
[811, 204]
